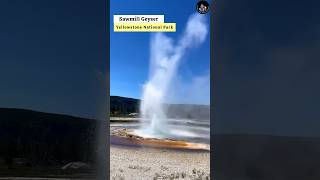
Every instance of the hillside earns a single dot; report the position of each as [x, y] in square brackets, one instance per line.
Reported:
[123, 106]
[120, 106]
[44, 139]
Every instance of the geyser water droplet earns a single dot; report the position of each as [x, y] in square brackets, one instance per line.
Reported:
[164, 61]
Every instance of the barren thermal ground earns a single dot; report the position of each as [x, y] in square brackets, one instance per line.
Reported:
[136, 163]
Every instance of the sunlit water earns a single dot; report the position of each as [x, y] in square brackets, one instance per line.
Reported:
[191, 130]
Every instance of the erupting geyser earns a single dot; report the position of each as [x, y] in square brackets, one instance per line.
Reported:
[164, 62]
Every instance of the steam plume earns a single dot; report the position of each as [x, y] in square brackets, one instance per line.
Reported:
[164, 62]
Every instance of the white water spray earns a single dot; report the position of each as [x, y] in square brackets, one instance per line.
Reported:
[164, 61]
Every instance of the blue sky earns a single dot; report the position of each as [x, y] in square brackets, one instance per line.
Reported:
[129, 52]
[53, 56]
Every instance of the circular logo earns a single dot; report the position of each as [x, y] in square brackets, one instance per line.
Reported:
[202, 7]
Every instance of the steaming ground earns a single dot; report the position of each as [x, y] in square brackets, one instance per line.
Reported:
[192, 130]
